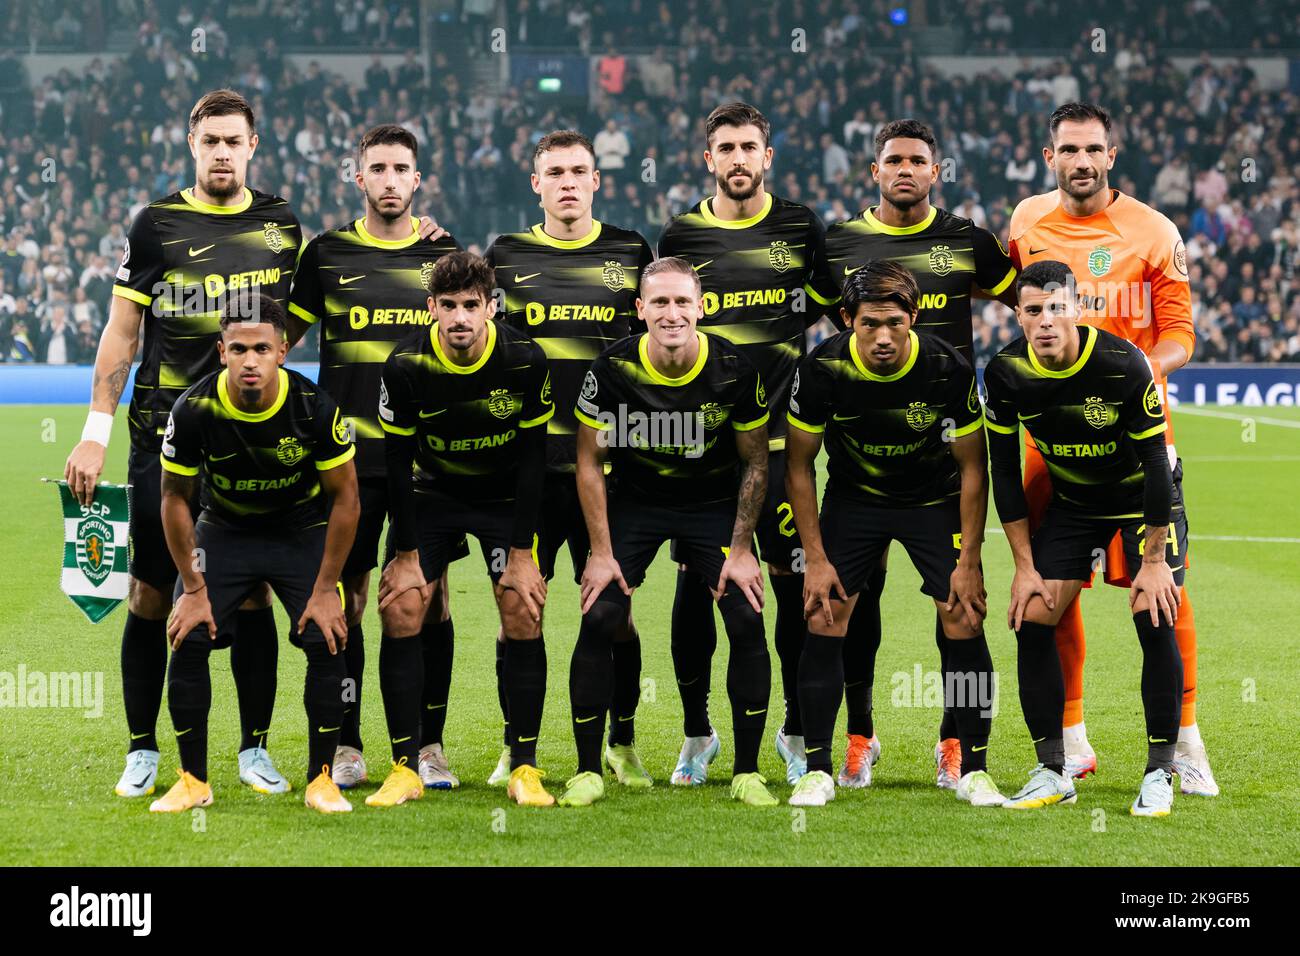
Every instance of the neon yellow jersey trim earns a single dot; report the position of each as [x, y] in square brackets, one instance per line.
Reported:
[1154, 430]
[122, 292]
[706, 210]
[968, 429]
[175, 468]
[915, 346]
[546, 238]
[1001, 286]
[539, 420]
[223, 394]
[1084, 354]
[879, 226]
[378, 243]
[591, 422]
[337, 460]
[750, 426]
[804, 426]
[201, 206]
[464, 369]
[1001, 429]
[661, 379]
[395, 429]
[303, 314]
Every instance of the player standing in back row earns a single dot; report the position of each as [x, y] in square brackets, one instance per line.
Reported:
[367, 286]
[952, 261]
[1132, 272]
[762, 262]
[187, 255]
[570, 283]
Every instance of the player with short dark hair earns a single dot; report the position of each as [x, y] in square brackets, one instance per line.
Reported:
[462, 406]
[681, 416]
[762, 262]
[1098, 422]
[1132, 278]
[902, 423]
[279, 505]
[570, 283]
[186, 254]
[952, 261]
[366, 285]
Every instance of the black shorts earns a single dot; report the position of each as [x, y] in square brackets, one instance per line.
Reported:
[856, 535]
[364, 555]
[237, 561]
[151, 562]
[701, 538]
[441, 527]
[778, 538]
[1069, 546]
[561, 522]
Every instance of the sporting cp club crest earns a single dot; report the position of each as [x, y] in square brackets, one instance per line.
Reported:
[711, 415]
[426, 276]
[613, 276]
[920, 416]
[941, 260]
[289, 453]
[1099, 261]
[780, 256]
[501, 403]
[273, 236]
[1095, 413]
[95, 549]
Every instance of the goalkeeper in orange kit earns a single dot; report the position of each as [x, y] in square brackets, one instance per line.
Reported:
[1132, 281]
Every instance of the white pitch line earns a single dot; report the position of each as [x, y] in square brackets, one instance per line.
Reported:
[1249, 539]
[1233, 417]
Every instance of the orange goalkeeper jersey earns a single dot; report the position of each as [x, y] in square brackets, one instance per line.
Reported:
[1129, 263]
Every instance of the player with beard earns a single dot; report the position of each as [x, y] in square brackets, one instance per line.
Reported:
[187, 257]
[1132, 273]
[953, 261]
[762, 262]
[570, 283]
[367, 285]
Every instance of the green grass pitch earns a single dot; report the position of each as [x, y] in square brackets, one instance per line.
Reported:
[58, 767]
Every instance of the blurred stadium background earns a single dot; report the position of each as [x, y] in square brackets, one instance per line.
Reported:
[94, 98]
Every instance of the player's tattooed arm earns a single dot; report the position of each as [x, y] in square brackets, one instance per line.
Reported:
[752, 446]
[112, 370]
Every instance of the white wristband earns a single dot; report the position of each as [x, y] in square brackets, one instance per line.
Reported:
[99, 426]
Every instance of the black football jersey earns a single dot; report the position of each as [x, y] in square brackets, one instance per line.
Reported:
[671, 440]
[466, 419]
[368, 294]
[182, 257]
[765, 282]
[1084, 419]
[945, 253]
[888, 437]
[259, 470]
[574, 298]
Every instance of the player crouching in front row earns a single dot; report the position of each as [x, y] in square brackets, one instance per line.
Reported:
[1090, 402]
[268, 443]
[902, 424]
[463, 405]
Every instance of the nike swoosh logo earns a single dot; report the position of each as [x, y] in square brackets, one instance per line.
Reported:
[138, 736]
[432, 414]
[326, 730]
[141, 782]
[1025, 418]
[195, 252]
[584, 720]
[701, 265]
[844, 418]
[526, 740]
[1038, 741]
[624, 720]
[434, 706]
[519, 278]
[1153, 740]
[265, 780]
[261, 733]
[182, 733]
[400, 740]
[813, 750]
[687, 683]
[345, 280]
[849, 272]
[754, 713]
[1034, 252]
[222, 457]
[978, 749]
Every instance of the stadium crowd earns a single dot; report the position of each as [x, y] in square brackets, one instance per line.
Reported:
[1210, 147]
